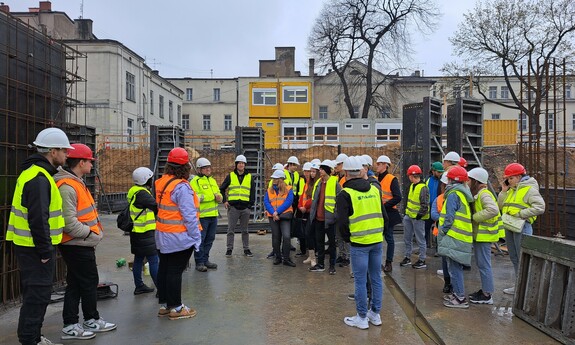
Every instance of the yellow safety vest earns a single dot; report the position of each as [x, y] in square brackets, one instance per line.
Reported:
[366, 222]
[147, 220]
[515, 201]
[18, 228]
[413, 204]
[296, 184]
[461, 229]
[330, 193]
[488, 230]
[208, 187]
[239, 191]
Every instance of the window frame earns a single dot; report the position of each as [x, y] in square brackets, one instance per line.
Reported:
[388, 136]
[151, 102]
[504, 92]
[492, 92]
[217, 94]
[171, 111]
[161, 106]
[295, 97]
[495, 116]
[207, 122]
[326, 136]
[186, 122]
[266, 93]
[228, 121]
[130, 87]
[189, 94]
[323, 113]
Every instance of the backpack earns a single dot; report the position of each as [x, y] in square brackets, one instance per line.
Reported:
[124, 221]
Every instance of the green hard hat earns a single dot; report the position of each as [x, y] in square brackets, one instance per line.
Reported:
[437, 166]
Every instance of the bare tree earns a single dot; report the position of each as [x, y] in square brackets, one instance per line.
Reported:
[369, 33]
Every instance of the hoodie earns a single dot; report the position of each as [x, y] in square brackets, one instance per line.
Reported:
[533, 198]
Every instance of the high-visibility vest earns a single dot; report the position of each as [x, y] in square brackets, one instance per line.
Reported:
[85, 207]
[461, 229]
[330, 194]
[276, 200]
[296, 184]
[18, 228]
[488, 230]
[146, 220]
[386, 194]
[169, 218]
[413, 204]
[239, 191]
[342, 180]
[205, 185]
[366, 222]
[514, 202]
[438, 204]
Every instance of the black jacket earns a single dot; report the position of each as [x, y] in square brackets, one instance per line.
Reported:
[143, 244]
[239, 204]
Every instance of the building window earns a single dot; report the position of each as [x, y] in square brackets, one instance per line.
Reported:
[294, 133]
[207, 121]
[151, 102]
[189, 94]
[186, 121]
[385, 113]
[388, 134]
[493, 92]
[504, 92]
[495, 116]
[355, 111]
[216, 94]
[550, 122]
[523, 122]
[179, 115]
[568, 91]
[456, 91]
[573, 124]
[433, 91]
[365, 126]
[325, 133]
[323, 112]
[258, 124]
[161, 105]
[295, 94]
[227, 122]
[264, 96]
[171, 111]
[348, 126]
[130, 87]
[130, 130]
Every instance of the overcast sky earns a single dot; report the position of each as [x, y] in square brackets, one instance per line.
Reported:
[227, 38]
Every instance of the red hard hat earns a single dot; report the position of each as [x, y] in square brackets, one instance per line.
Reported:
[414, 170]
[178, 155]
[80, 151]
[514, 169]
[462, 162]
[457, 173]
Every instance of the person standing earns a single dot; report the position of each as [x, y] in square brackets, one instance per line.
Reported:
[82, 233]
[35, 226]
[241, 197]
[143, 209]
[360, 219]
[519, 198]
[278, 203]
[416, 212]
[433, 184]
[305, 207]
[177, 232]
[435, 214]
[207, 190]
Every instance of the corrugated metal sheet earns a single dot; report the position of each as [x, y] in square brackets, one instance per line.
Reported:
[499, 132]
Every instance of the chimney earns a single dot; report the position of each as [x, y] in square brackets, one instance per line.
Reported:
[4, 8]
[33, 9]
[311, 67]
[417, 73]
[84, 28]
[45, 6]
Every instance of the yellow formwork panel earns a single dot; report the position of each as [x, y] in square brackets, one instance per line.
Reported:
[271, 127]
[499, 132]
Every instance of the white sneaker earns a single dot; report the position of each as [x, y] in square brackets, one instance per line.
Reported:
[46, 341]
[99, 325]
[356, 321]
[75, 331]
[439, 272]
[509, 291]
[374, 318]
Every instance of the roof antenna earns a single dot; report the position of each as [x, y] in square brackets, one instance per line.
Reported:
[81, 9]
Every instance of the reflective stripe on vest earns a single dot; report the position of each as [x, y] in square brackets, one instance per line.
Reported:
[18, 228]
[488, 230]
[461, 229]
[146, 220]
[413, 206]
[239, 191]
[366, 222]
[85, 207]
[276, 200]
[514, 202]
[205, 186]
[169, 218]
[385, 183]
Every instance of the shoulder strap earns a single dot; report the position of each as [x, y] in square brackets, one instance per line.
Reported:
[133, 197]
[167, 184]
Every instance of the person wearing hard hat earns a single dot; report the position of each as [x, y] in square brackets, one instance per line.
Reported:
[143, 209]
[177, 233]
[240, 198]
[278, 202]
[304, 203]
[35, 226]
[360, 218]
[416, 212]
[322, 215]
[451, 159]
[391, 196]
[519, 201]
[462, 162]
[82, 233]
[338, 171]
[206, 187]
[455, 235]
[433, 184]
[486, 221]
[435, 214]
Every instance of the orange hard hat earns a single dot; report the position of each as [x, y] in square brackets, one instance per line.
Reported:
[457, 173]
[414, 170]
[462, 162]
[514, 169]
[178, 155]
[81, 151]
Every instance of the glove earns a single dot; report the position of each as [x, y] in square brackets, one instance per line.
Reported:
[418, 217]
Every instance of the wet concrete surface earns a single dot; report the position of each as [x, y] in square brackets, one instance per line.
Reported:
[250, 301]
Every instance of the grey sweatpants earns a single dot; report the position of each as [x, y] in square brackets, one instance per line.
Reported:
[244, 216]
[413, 226]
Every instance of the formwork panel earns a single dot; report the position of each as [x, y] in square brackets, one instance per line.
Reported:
[554, 308]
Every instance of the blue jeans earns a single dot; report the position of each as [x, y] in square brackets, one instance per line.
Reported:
[456, 272]
[415, 227]
[209, 225]
[388, 234]
[483, 260]
[153, 262]
[364, 260]
[513, 241]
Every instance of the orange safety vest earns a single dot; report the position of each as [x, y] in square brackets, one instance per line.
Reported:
[439, 203]
[386, 194]
[278, 199]
[169, 218]
[342, 180]
[85, 207]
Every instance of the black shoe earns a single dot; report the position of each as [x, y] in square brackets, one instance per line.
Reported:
[344, 263]
[201, 268]
[288, 262]
[406, 262]
[480, 298]
[300, 254]
[228, 253]
[317, 268]
[143, 289]
[388, 267]
[211, 265]
[248, 253]
[332, 270]
[277, 261]
[270, 255]
[419, 264]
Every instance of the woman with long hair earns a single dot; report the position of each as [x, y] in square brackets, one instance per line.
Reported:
[305, 206]
[278, 203]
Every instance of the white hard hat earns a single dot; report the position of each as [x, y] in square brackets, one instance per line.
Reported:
[340, 158]
[452, 157]
[141, 175]
[444, 178]
[328, 163]
[315, 166]
[316, 161]
[241, 158]
[352, 164]
[202, 162]
[479, 174]
[53, 138]
[279, 174]
[367, 159]
[293, 159]
[278, 166]
[383, 159]
[306, 166]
